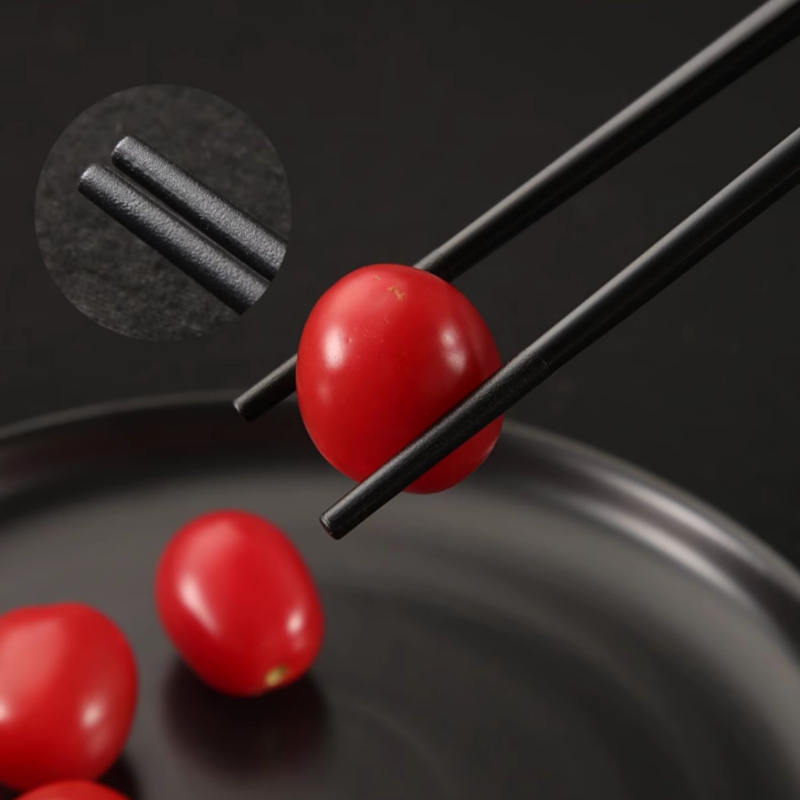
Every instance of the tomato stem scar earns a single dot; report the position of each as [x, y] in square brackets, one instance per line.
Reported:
[276, 675]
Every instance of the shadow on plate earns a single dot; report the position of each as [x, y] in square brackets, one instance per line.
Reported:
[265, 736]
[121, 777]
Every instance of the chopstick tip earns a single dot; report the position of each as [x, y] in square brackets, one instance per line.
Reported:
[89, 177]
[329, 527]
[243, 409]
[123, 145]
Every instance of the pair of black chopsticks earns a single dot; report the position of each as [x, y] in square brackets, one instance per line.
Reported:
[741, 48]
[217, 244]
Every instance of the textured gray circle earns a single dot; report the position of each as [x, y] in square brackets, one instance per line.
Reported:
[103, 269]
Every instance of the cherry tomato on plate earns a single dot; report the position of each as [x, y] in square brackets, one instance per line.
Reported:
[67, 694]
[386, 352]
[73, 790]
[239, 604]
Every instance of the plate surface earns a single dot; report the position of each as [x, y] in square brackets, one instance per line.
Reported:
[559, 626]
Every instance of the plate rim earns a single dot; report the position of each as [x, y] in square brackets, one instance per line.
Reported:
[758, 557]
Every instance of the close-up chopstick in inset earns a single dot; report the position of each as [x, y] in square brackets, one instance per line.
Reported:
[731, 55]
[229, 226]
[706, 229]
[215, 269]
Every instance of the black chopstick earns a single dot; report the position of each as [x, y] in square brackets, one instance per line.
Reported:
[741, 48]
[236, 231]
[712, 224]
[268, 392]
[216, 270]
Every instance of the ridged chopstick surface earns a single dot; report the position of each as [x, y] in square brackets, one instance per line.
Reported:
[229, 226]
[207, 263]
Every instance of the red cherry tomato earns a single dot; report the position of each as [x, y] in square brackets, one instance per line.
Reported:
[67, 694]
[385, 352]
[73, 790]
[238, 603]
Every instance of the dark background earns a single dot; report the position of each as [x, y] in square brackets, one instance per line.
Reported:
[398, 123]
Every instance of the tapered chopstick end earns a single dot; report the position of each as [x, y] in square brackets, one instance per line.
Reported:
[90, 179]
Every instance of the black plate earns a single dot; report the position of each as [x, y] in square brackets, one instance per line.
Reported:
[559, 626]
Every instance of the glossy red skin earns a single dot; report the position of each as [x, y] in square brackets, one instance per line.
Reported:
[67, 694]
[73, 790]
[239, 603]
[385, 352]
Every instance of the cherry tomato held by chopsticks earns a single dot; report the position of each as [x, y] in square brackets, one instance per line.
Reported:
[67, 694]
[73, 790]
[238, 603]
[385, 353]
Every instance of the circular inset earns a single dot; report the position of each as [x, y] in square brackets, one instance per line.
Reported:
[163, 212]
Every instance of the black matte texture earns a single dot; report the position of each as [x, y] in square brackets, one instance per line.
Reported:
[227, 279]
[741, 201]
[711, 70]
[268, 392]
[560, 627]
[104, 270]
[398, 124]
[221, 221]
